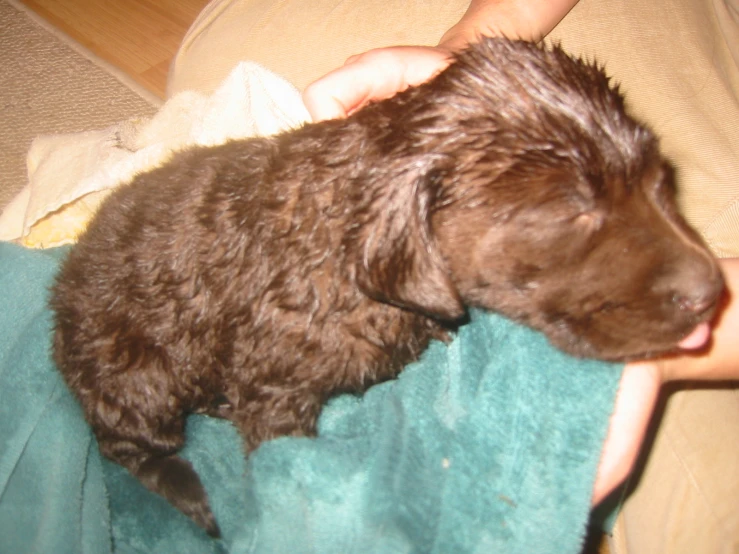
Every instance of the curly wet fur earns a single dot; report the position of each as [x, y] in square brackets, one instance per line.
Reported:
[255, 279]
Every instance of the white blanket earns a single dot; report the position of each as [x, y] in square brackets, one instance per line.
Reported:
[69, 175]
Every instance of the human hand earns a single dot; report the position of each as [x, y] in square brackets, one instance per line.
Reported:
[373, 75]
[642, 381]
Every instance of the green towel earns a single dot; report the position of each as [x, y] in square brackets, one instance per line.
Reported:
[489, 444]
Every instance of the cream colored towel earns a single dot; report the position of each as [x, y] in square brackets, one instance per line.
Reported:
[69, 175]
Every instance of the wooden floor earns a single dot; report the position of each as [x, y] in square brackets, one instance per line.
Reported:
[140, 37]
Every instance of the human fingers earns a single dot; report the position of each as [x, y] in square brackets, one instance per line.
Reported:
[373, 75]
[635, 402]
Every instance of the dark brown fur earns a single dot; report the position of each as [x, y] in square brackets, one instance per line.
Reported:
[254, 280]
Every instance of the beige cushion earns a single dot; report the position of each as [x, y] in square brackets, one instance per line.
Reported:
[301, 39]
[677, 64]
[686, 500]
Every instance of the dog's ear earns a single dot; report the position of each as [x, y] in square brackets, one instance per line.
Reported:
[399, 262]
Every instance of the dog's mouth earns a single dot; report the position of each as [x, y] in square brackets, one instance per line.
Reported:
[629, 347]
[694, 339]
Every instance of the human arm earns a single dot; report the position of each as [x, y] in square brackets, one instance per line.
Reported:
[382, 72]
[642, 381]
[519, 19]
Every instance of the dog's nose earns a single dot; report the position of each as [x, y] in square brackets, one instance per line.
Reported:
[699, 290]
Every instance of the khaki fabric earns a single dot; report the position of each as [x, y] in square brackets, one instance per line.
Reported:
[300, 39]
[676, 62]
[686, 500]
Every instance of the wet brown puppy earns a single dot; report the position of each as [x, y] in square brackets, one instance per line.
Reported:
[254, 280]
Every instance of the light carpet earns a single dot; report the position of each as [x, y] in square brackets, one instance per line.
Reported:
[50, 84]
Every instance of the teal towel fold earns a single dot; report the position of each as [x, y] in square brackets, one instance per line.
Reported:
[489, 444]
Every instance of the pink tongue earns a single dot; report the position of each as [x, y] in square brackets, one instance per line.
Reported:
[697, 338]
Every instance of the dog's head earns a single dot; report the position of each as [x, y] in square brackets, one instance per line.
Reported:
[527, 189]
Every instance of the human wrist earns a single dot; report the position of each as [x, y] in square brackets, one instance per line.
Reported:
[516, 19]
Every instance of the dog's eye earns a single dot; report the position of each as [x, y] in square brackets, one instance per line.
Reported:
[590, 221]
